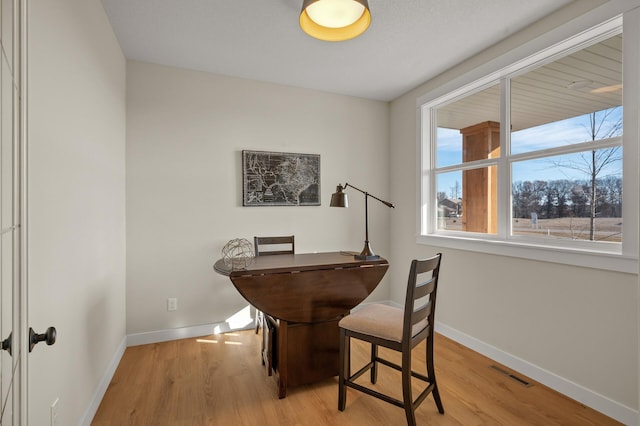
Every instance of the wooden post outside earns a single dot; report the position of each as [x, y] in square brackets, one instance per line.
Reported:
[479, 186]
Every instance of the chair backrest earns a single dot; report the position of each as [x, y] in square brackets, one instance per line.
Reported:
[274, 245]
[420, 304]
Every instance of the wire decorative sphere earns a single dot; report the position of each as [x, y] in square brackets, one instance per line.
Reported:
[238, 253]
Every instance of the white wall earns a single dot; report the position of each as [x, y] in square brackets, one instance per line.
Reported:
[578, 324]
[185, 134]
[76, 203]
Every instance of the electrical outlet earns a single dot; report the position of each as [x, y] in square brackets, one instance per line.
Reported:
[172, 304]
[54, 412]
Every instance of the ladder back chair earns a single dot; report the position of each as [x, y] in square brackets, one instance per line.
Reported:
[397, 329]
[265, 246]
[269, 246]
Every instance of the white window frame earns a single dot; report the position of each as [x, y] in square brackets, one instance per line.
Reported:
[564, 40]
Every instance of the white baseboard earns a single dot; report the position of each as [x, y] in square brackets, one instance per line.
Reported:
[598, 402]
[181, 333]
[90, 412]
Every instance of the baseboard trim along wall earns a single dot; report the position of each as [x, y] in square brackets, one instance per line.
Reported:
[91, 410]
[181, 333]
[613, 409]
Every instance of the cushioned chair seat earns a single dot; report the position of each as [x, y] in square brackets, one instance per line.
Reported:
[381, 321]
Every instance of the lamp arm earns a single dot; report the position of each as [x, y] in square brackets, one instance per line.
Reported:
[386, 203]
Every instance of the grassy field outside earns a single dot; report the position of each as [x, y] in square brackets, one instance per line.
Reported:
[606, 229]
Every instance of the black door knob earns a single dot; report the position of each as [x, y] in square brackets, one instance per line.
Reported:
[48, 336]
[6, 343]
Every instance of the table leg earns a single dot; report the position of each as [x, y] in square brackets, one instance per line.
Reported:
[282, 359]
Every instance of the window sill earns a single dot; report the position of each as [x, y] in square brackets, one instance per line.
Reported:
[568, 256]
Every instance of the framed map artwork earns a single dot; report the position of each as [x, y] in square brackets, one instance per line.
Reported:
[280, 179]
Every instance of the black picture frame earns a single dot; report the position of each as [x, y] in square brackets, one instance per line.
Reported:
[280, 179]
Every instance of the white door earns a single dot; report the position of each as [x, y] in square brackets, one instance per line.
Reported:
[16, 338]
[10, 215]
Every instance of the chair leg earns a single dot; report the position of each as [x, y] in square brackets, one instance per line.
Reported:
[258, 321]
[374, 367]
[266, 331]
[406, 387]
[344, 371]
[436, 398]
[263, 348]
[431, 374]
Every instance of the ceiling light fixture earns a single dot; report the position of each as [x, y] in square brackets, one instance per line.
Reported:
[335, 20]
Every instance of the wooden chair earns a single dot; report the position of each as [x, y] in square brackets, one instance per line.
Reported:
[268, 246]
[265, 246]
[397, 329]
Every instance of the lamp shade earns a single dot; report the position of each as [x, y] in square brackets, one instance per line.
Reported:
[339, 198]
[335, 20]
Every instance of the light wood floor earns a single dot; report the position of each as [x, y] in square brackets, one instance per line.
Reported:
[219, 380]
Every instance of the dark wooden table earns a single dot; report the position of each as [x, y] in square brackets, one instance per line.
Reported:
[307, 294]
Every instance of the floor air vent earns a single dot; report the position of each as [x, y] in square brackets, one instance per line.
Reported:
[512, 376]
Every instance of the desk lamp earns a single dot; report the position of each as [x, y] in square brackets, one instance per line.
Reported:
[339, 199]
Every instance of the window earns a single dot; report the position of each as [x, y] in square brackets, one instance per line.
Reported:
[531, 157]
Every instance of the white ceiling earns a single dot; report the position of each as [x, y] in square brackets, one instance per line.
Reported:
[408, 42]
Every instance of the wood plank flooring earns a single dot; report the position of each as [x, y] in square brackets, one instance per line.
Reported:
[219, 380]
